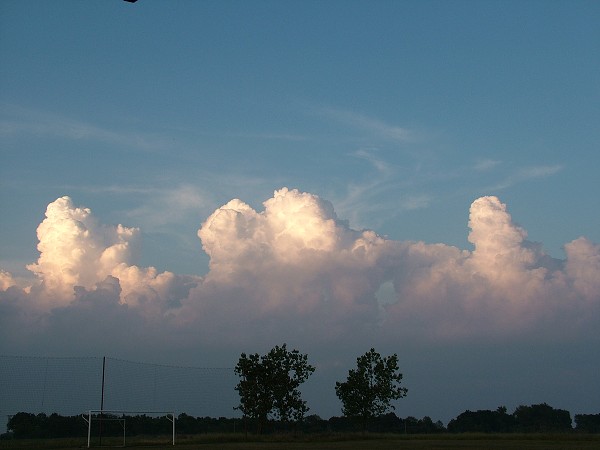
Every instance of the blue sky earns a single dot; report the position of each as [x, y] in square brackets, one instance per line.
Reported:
[398, 113]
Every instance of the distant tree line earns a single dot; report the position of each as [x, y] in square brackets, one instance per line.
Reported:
[42, 426]
[525, 419]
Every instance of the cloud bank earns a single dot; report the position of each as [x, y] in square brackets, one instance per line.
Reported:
[297, 272]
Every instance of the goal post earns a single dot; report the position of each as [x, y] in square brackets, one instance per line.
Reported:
[121, 416]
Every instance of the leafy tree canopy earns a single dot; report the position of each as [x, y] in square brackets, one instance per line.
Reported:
[483, 421]
[269, 384]
[371, 387]
[542, 418]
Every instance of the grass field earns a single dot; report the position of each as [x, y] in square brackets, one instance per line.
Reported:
[334, 442]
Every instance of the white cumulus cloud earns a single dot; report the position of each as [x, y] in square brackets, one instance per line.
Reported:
[6, 280]
[296, 266]
[294, 271]
[77, 251]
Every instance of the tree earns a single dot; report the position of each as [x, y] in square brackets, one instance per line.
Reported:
[270, 384]
[483, 421]
[371, 387]
[587, 423]
[542, 418]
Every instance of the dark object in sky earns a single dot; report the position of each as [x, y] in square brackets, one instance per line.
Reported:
[131, 1]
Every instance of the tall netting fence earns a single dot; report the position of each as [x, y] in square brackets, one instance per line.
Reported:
[197, 391]
[72, 386]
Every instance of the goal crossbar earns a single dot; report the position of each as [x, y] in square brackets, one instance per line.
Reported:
[122, 415]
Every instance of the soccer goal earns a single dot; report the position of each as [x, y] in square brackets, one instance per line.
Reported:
[116, 426]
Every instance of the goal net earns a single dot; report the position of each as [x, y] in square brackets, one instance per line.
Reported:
[111, 428]
[45, 390]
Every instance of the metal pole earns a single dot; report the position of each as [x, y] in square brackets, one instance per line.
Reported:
[102, 398]
[89, 427]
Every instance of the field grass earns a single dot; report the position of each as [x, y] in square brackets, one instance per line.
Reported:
[343, 441]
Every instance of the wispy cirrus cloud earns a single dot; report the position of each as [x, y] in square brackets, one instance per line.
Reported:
[19, 120]
[373, 125]
[363, 206]
[15, 120]
[526, 174]
[486, 164]
[171, 205]
[269, 136]
[367, 201]
[158, 206]
[383, 167]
